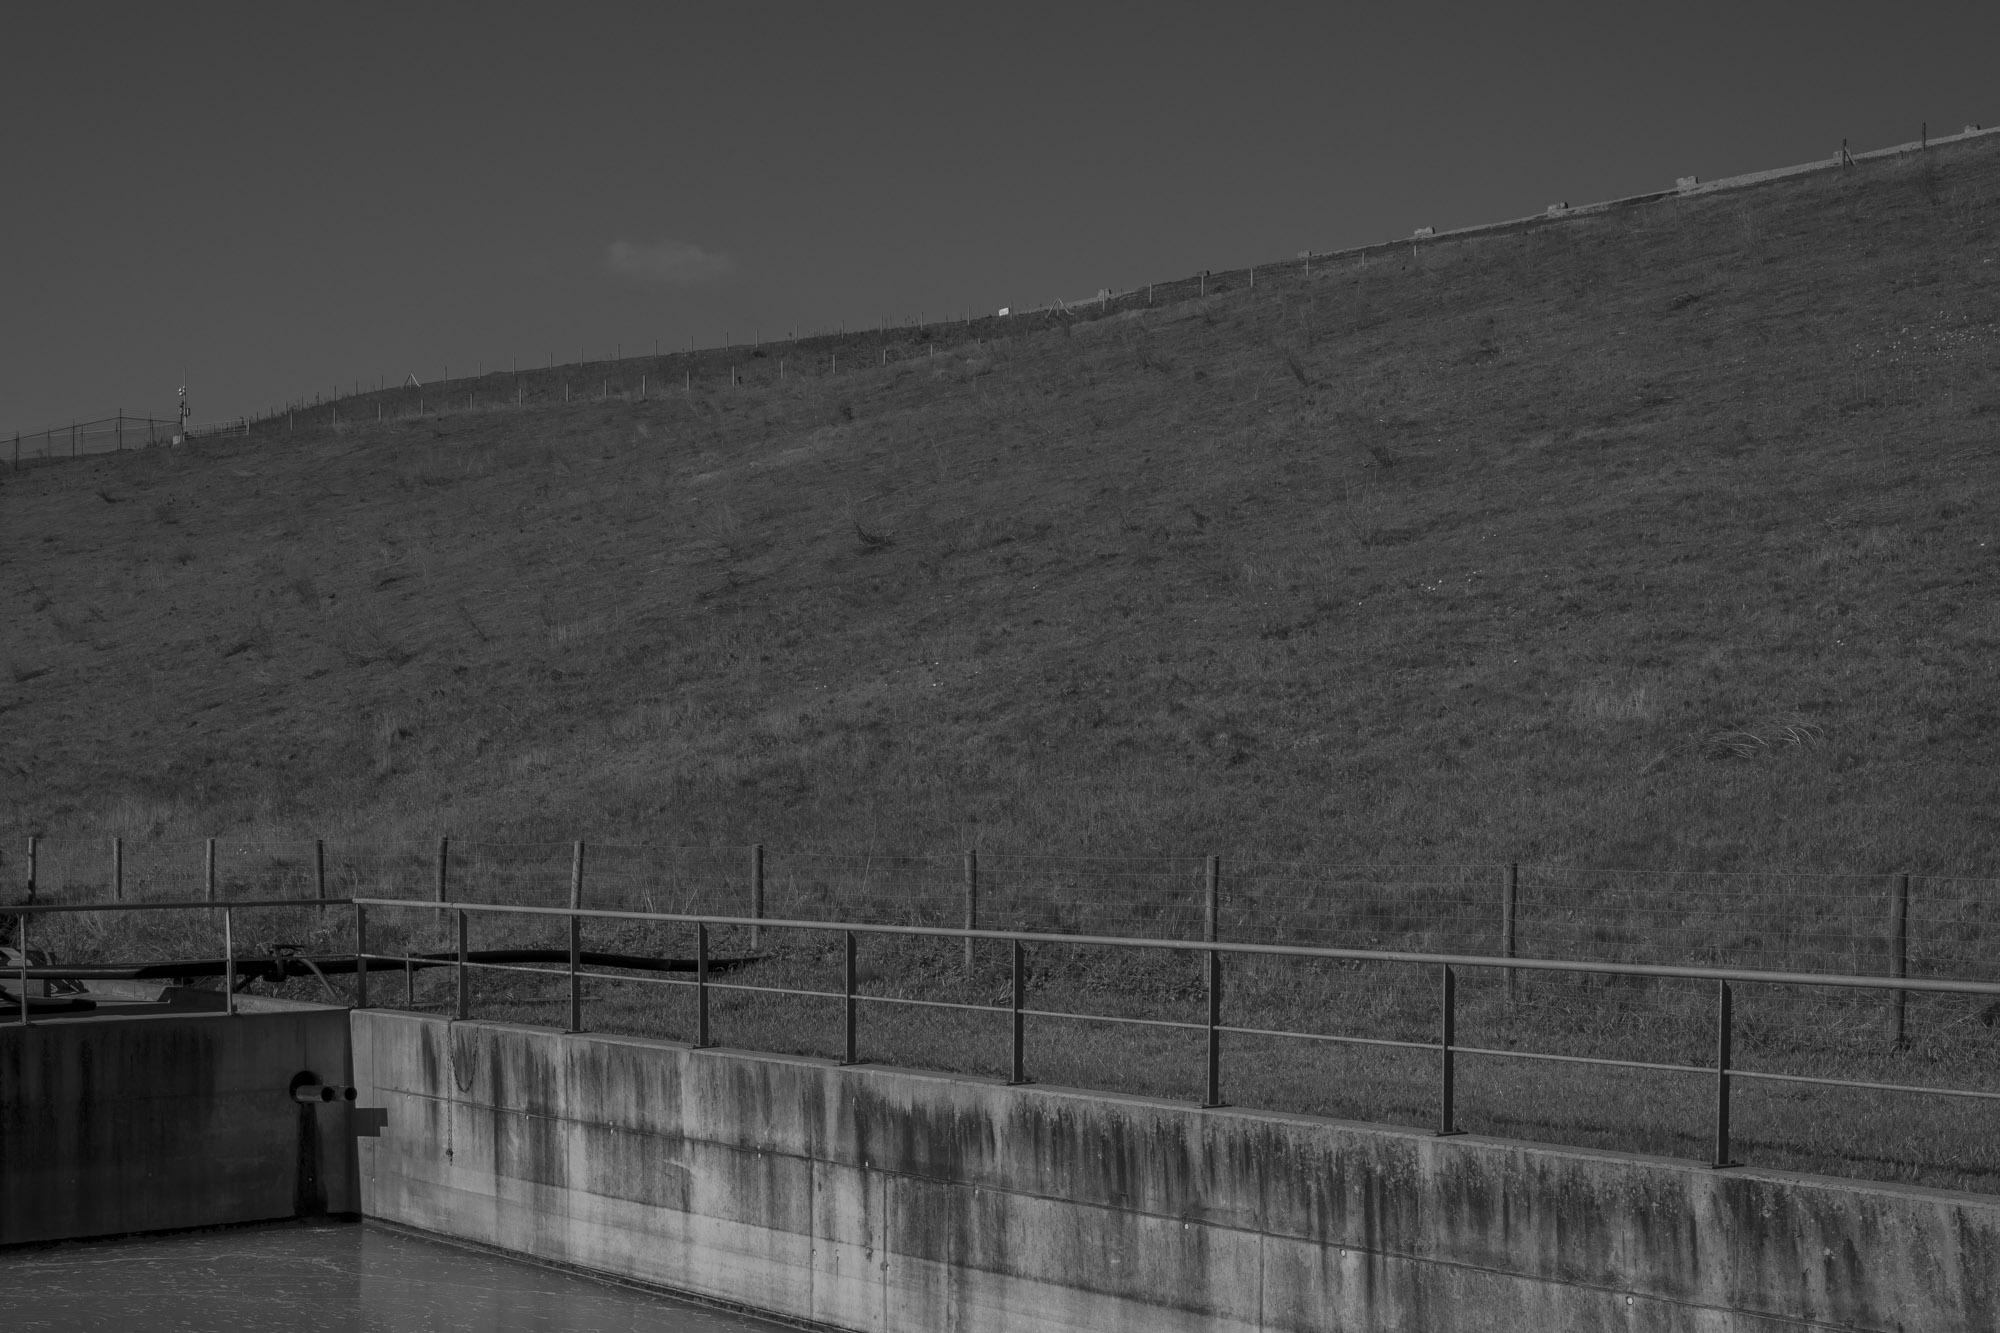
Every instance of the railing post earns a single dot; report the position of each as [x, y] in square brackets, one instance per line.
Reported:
[464, 977]
[1447, 1053]
[117, 870]
[1019, 1067]
[971, 903]
[21, 938]
[319, 871]
[757, 893]
[847, 1048]
[1724, 1024]
[444, 855]
[229, 960]
[360, 956]
[33, 858]
[409, 980]
[576, 939]
[1510, 890]
[1899, 956]
[208, 868]
[701, 1040]
[1213, 1096]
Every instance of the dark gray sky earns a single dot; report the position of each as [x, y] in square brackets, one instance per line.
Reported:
[285, 198]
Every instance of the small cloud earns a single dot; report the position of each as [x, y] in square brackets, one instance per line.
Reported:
[667, 263]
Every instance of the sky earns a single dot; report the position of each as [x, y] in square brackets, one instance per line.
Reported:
[275, 200]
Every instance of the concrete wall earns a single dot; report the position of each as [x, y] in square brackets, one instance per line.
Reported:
[110, 1125]
[880, 1198]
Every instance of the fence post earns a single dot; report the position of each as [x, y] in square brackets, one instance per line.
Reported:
[229, 961]
[1510, 889]
[576, 938]
[1723, 1033]
[21, 938]
[319, 871]
[208, 868]
[1019, 1066]
[701, 985]
[1213, 1096]
[1212, 899]
[848, 1006]
[33, 857]
[117, 870]
[757, 893]
[360, 956]
[1899, 954]
[1447, 1053]
[971, 902]
[464, 981]
[444, 855]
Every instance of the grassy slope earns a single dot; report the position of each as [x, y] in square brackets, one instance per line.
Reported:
[1504, 549]
[1664, 538]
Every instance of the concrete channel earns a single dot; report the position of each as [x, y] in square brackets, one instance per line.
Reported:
[872, 1197]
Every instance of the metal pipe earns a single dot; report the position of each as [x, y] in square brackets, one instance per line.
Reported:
[1214, 1095]
[1447, 1053]
[1723, 1035]
[1019, 1068]
[701, 986]
[847, 1020]
[323, 1094]
[360, 955]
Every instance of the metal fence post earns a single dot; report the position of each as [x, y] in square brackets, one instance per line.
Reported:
[576, 939]
[1213, 1096]
[1447, 1053]
[1723, 1033]
[848, 1005]
[1510, 889]
[444, 855]
[117, 870]
[33, 857]
[21, 938]
[971, 903]
[229, 960]
[757, 893]
[1019, 1066]
[360, 956]
[208, 868]
[319, 871]
[701, 985]
[1212, 900]
[464, 978]
[1899, 955]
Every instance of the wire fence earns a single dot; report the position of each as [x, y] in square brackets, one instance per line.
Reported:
[1914, 925]
[102, 436]
[818, 356]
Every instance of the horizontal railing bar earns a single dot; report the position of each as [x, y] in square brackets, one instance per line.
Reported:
[1853, 1083]
[1690, 973]
[1557, 1058]
[1335, 1036]
[38, 909]
[1111, 1018]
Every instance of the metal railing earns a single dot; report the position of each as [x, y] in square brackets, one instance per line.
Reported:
[1446, 1047]
[228, 910]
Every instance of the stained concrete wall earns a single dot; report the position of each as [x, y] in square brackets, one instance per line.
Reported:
[880, 1198]
[111, 1125]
